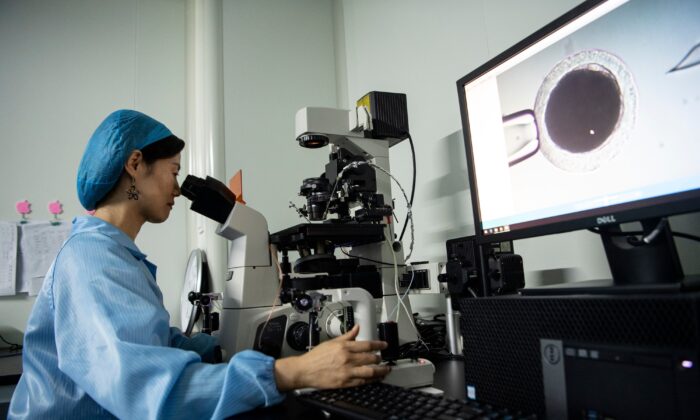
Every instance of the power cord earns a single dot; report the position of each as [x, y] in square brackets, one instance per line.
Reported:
[648, 238]
[686, 236]
[405, 293]
[413, 183]
[369, 259]
[409, 213]
[13, 346]
[433, 345]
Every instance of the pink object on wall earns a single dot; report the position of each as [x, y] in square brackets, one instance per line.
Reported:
[55, 207]
[23, 207]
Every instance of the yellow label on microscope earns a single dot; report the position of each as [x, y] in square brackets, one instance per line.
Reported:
[364, 101]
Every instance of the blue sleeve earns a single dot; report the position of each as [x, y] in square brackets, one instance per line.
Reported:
[203, 344]
[113, 336]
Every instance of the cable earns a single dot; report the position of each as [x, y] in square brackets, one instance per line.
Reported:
[434, 344]
[687, 236]
[368, 259]
[409, 207]
[400, 299]
[597, 231]
[663, 223]
[413, 184]
[273, 252]
[396, 282]
[409, 213]
[684, 235]
[13, 346]
[410, 283]
[335, 185]
[299, 213]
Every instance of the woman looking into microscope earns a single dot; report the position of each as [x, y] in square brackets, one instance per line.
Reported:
[98, 343]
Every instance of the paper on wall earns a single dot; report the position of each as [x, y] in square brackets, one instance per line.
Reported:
[39, 244]
[8, 258]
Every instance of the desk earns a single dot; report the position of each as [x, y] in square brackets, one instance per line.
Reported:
[449, 377]
[10, 371]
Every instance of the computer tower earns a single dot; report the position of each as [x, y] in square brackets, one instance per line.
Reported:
[615, 356]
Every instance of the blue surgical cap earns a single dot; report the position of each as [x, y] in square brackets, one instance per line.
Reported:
[120, 133]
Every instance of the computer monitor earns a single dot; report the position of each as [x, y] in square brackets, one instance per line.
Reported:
[594, 120]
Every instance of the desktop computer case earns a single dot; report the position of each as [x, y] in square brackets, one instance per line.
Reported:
[585, 356]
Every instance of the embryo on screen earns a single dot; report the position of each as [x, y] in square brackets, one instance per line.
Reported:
[604, 112]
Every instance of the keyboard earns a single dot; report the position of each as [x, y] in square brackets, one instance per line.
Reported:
[384, 401]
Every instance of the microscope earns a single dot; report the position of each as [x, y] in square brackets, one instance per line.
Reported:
[288, 291]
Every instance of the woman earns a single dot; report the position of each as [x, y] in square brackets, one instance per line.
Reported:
[98, 342]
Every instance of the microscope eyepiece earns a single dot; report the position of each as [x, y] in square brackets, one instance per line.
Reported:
[312, 141]
[209, 197]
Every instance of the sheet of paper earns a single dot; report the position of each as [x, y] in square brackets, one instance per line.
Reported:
[39, 243]
[8, 258]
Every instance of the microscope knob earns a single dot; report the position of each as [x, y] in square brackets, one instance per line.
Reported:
[192, 297]
[302, 303]
[298, 336]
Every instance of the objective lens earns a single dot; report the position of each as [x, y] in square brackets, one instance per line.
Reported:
[317, 193]
[312, 141]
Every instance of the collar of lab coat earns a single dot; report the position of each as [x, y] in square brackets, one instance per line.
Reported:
[92, 223]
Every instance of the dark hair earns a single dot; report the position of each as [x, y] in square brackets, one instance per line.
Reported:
[161, 149]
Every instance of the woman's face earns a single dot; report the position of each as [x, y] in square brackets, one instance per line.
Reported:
[158, 188]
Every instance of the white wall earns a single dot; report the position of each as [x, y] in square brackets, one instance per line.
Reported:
[422, 48]
[278, 58]
[72, 62]
[67, 64]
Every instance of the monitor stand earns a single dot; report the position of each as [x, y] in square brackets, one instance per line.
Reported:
[646, 263]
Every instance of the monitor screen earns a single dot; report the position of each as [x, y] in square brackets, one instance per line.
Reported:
[594, 119]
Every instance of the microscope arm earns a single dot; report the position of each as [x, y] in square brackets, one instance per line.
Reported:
[247, 230]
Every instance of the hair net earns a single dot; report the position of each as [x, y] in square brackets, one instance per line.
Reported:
[109, 147]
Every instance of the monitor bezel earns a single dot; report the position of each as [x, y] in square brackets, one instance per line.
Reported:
[661, 206]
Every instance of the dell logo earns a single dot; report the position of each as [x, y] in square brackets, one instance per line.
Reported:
[551, 354]
[604, 220]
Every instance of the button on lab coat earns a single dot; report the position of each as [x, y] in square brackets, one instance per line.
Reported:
[99, 344]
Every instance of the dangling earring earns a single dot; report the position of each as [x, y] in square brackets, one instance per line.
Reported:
[132, 193]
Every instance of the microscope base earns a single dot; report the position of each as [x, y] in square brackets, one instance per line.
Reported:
[408, 373]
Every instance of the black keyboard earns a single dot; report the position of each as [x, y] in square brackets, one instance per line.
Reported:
[383, 401]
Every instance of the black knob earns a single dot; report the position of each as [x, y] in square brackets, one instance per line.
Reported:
[298, 336]
[303, 302]
[192, 296]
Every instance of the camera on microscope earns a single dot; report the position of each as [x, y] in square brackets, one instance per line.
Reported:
[478, 270]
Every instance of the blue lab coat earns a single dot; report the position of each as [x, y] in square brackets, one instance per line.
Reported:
[99, 344]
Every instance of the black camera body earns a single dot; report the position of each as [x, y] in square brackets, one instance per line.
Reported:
[479, 270]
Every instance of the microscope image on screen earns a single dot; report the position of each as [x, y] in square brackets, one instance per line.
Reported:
[590, 123]
[584, 111]
[586, 120]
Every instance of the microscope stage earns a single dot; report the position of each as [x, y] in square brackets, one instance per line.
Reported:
[347, 234]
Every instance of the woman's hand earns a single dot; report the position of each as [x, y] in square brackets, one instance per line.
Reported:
[336, 363]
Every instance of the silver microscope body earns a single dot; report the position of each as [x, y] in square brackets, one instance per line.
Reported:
[283, 309]
[358, 175]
